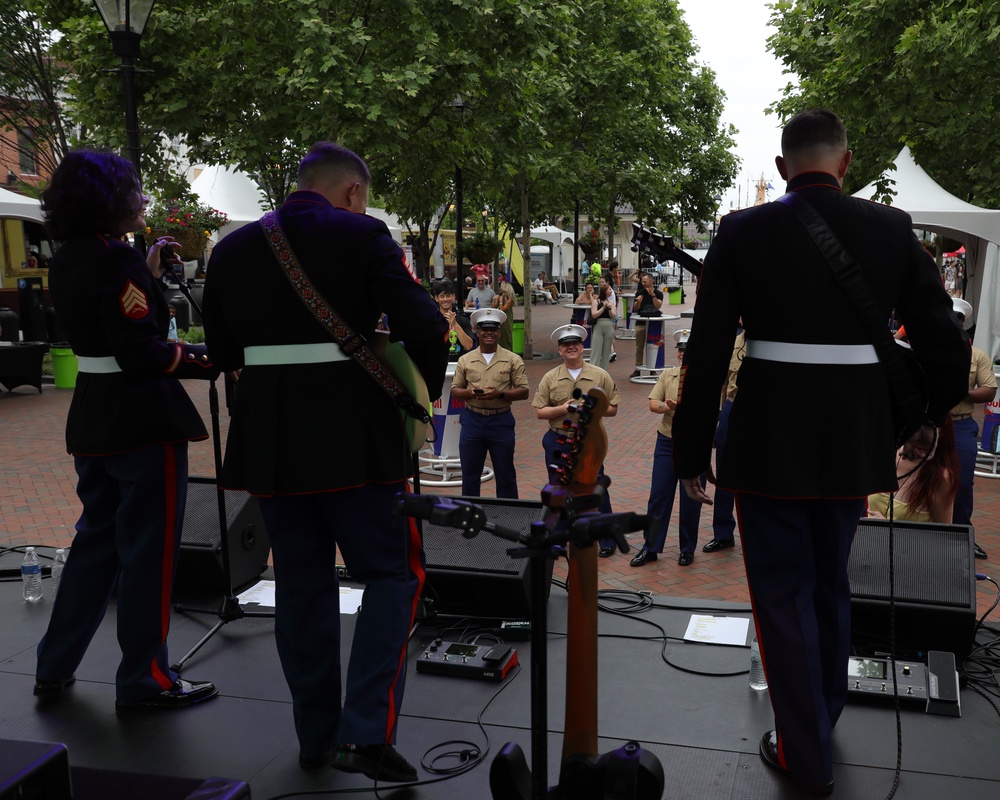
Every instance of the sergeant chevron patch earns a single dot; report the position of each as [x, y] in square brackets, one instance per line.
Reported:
[133, 301]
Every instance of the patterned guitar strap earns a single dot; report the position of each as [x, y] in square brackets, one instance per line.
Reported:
[353, 344]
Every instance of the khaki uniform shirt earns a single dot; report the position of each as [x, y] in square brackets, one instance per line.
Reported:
[980, 374]
[666, 389]
[504, 372]
[557, 385]
[735, 362]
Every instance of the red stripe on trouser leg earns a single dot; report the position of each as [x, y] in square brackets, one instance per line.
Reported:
[417, 568]
[167, 557]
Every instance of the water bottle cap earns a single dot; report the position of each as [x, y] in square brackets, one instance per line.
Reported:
[29, 549]
[60, 550]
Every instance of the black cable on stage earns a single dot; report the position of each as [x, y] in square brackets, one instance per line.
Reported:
[470, 756]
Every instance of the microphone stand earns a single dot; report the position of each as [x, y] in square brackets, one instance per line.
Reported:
[230, 608]
[568, 517]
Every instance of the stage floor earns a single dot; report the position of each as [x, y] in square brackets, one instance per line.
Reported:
[677, 701]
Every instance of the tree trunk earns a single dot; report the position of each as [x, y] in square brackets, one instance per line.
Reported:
[526, 285]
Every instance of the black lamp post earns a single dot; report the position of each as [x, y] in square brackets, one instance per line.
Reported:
[126, 21]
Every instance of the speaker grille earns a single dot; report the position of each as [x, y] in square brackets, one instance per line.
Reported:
[201, 515]
[476, 577]
[932, 563]
[446, 548]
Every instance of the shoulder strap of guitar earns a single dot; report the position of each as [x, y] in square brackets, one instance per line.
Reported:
[352, 343]
[911, 403]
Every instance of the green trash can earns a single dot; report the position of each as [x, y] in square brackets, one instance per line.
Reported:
[518, 336]
[676, 297]
[64, 366]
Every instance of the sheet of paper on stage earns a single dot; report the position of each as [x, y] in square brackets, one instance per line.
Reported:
[350, 599]
[261, 593]
[717, 630]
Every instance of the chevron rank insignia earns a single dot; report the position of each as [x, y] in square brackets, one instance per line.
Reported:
[133, 300]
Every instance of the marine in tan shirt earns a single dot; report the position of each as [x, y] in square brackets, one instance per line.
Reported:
[554, 394]
[488, 379]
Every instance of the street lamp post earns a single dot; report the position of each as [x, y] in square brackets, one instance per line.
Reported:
[126, 21]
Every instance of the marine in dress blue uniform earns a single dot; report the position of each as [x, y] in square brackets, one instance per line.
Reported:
[128, 428]
[321, 444]
[800, 483]
[488, 380]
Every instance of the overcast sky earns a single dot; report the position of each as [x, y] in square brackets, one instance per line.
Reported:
[731, 36]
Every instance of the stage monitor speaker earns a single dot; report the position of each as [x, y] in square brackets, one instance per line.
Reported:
[101, 784]
[200, 564]
[34, 769]
[476, 577]
[935, 588]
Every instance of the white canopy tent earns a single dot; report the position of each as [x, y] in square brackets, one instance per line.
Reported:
[16, 206]
[233, 192]
[934, 209]
[562, 249]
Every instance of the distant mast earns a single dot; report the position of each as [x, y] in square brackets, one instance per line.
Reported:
[763, 187]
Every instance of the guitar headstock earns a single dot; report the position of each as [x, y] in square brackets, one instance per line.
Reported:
[584, 440]
[649, 240]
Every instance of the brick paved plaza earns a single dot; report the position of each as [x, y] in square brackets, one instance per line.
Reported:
[38, 504]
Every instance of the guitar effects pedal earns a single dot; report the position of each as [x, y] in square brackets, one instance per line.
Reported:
[934, 684]
[483, 662]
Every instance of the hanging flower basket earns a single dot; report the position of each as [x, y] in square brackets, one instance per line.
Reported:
[192, 243]
[480, 248]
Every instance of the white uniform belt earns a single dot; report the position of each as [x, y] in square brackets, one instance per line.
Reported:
[98, 364]
[793, 353]
[278, 354]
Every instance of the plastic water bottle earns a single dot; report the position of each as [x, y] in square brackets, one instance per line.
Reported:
[57, 568]
[31, 576]
[477, 304]
[758, 681]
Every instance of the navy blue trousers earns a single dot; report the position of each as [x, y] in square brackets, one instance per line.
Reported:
[967, 445]
[129, 531]
[550, 444]
[383, 553]
[662, 490]
[723, 518]
[795, 553]
[481, 435]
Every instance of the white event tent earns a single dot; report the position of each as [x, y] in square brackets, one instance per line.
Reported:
[562, 249]
[232, 192]
[17, 206]
[934, 209]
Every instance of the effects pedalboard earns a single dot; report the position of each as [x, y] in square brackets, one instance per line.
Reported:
[935, 684]
[485, 662]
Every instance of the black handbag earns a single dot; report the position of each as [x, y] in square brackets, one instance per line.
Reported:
[907, 381]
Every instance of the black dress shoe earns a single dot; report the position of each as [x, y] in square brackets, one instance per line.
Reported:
[380, 762]
[315, 762]
[50, 690]
[717, 544]
[685, 559]
[612, 357]
[980, 553]
[181, 695]
[642, 557]
[769, 752]
[606, 552]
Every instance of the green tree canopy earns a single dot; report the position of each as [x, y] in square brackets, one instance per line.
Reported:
[925, 73]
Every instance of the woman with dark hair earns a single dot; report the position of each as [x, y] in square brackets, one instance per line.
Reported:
[128, 430]
[926, 491]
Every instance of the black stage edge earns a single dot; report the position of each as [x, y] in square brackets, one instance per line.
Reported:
[704, 728]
